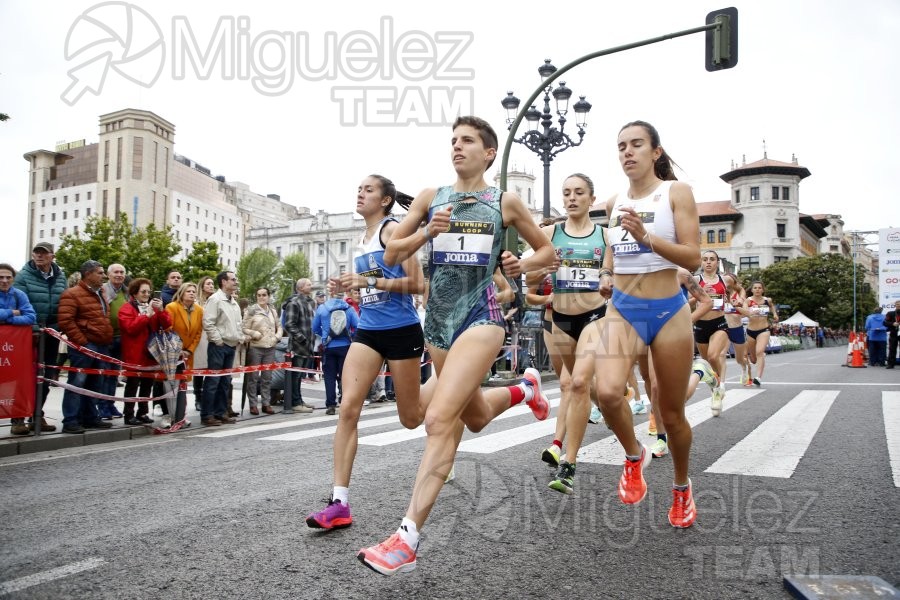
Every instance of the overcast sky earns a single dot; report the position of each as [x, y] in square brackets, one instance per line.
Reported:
[816, 80]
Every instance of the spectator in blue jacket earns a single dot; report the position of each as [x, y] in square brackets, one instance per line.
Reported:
[336, 331]
[15, 308]
[876, 334]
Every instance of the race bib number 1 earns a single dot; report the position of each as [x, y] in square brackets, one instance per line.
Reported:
[578, 274]
[467, 243]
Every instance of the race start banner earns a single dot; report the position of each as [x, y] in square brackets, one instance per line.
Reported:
[17, 379]
[888, 267]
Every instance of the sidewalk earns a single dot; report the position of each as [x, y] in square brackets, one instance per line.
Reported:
[11, 445]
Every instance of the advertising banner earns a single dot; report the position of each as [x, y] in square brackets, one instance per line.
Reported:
[16, 372]
[888, 267]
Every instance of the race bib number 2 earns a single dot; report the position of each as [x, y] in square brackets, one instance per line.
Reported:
[467, 243]
[621, 241]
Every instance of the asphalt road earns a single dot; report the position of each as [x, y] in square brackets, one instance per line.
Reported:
[795, 477]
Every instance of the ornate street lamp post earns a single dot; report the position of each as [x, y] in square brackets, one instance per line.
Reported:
[542, 137]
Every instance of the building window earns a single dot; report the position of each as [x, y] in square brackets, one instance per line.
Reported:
[781, 229]
[834, 248]
[343, 269]
[775, 190]
[779, 259]
[749, 262]
[785, 193]
[62, 231]
[87, 211]
[65, 214]
[187, 222]
[76, 197]
[42, 218]
[723, 236]
[54, 201]
[41, 234]
[65, 199]
[118, 203]
[754, 193]
[137, 159]
[343, 248]
[206, 227]
[43, 203]
[119, 158]
[75, 230]
[737, 196]
[321, 273]
[178, 202]
[52, 233]
[321, 250]
[76, 213]
[178, 218]
[278, 251]
[710, 237]
[89, 196]
[53, 216]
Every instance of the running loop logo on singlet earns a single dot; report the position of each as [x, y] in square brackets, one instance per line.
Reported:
[466, 243]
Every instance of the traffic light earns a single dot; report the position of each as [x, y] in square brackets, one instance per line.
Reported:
[722, 42]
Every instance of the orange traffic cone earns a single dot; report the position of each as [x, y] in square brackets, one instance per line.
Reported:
[856, 360]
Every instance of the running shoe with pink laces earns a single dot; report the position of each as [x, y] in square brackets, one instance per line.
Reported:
[390, 556]
[632, 487]
[682, 514]
[538, 403]
[334, 516]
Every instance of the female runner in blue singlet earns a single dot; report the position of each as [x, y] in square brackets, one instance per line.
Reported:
[653, 229]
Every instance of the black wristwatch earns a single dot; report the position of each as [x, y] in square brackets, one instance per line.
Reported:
[370, 282]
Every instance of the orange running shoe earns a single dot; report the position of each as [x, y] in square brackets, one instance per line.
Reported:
[538, 403]
[390, 556]
[632, 487]
[683, 513]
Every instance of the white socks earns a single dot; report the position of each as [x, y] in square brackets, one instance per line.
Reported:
[342, 494]
[409, 533]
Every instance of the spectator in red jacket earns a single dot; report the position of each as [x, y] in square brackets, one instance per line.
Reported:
[138, 318]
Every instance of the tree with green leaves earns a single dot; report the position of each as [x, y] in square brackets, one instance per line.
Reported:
[820, 286]
[256, 269]
[202, 260]
[101, 239]
[293, 267]
[145, 252]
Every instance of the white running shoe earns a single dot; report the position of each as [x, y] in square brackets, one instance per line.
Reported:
[718, 395]
[709, 376]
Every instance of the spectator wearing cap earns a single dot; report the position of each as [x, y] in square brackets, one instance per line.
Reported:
[43, 281]
[84, 318]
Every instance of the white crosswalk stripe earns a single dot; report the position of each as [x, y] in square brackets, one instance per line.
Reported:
[890, 408]
[405, 435]
[608, 451]
[775, 447]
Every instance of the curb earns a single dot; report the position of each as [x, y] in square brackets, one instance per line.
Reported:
[58, 440]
